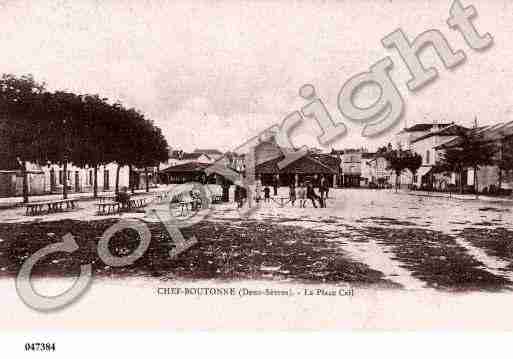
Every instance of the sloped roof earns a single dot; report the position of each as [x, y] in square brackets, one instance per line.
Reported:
[425, 127]
[452, 130]
[484, 133]
[497, 132]
[327, 160]
[208, 151]
[180, 155]
[305, 165]
[193, 156]
[188, 167]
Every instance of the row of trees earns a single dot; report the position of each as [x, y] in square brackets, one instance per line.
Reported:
[60, 127]
[474, 151]
[401, 160]
[471, 150]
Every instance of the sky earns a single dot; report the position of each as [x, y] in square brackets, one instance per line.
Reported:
[212, 74]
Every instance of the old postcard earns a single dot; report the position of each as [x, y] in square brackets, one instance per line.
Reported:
[256, 165]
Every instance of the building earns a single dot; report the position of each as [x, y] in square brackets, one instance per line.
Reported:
[366, 169]
[305, 168]
[380, 174]
[52, 178]
[211, 153]
[351, 165]
[234, 161]
[311, 167]
[427, 146]
[11, 179]
[178, 157]
[354, 167]
[185, 172]
[488, 177]
[406, 136]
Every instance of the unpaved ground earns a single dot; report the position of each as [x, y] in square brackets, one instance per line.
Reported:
[365, 238]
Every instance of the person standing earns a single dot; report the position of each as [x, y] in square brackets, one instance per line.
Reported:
[123, 197]
[267, 194]
[243, 196]
[258, 191]
[292, 194]
[311, 195]
[226, 191]
[301, 194]
[323, 185]
[236, 194]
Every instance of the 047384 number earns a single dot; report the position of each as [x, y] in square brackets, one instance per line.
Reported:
[39, 347]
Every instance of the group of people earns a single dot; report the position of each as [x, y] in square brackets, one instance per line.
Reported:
[306, 191]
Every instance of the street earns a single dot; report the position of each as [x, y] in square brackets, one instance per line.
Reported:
[367, 238]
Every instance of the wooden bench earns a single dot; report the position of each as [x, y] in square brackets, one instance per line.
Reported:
[108, 207]
[162, 196]
[107, 198]
[38, 208]
[137, 202]
[217, 198]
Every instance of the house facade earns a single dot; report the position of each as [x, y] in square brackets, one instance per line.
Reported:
[351, 165]
[380, 174]
[52, 179]
[428, 147]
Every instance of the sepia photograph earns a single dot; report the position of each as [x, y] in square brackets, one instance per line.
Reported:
[318, 165]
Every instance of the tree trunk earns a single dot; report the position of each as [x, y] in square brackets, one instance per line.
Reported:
[95, 182]
[500, 180]
[65, 180]
[25, 181]
[147, 182]
[461, 181]
[131, 179]
[476, 184]
[117, 178]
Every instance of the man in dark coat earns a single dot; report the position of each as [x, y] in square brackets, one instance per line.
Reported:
[275, 185]
[311, 195]
[323, 189]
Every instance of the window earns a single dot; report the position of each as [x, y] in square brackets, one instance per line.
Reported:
[427, 156]
[61, 177]
[90, 177]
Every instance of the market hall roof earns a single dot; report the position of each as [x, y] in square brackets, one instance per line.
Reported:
[308, 164]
